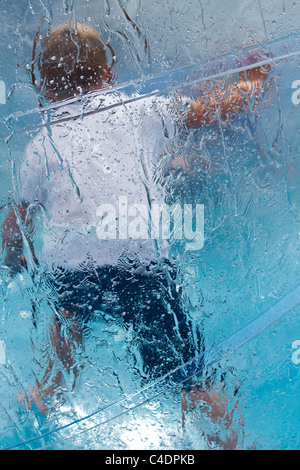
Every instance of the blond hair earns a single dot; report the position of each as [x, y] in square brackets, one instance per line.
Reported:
[72, 59]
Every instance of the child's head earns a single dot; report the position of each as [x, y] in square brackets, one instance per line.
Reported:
[72, 61]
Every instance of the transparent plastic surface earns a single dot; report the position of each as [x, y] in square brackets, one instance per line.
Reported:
[240, 288]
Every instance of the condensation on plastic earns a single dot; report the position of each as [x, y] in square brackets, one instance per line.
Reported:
[277, 137]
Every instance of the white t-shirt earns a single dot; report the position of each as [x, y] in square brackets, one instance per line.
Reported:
[77, 167]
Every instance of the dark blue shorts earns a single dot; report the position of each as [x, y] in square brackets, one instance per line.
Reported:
[144, 298]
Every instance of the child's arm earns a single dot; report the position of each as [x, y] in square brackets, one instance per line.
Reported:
[226, 104]
[218, 105]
